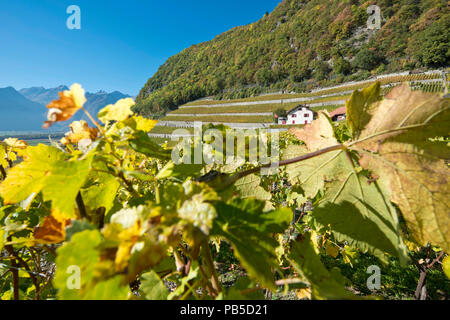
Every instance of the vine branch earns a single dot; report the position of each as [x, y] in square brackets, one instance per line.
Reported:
[243, 174]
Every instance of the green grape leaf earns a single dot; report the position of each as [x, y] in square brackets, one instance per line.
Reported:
[142, 143]
[334, 174]
[180, 171]
[323, 283]
[358, 107]
[111, 289]
[152, 287]
[239, 289]
[311, 174]
[399, 150]
[244, 224]
[80, 254]
[78, 272]
[100, 189]
[250, 187]
[49, 170]
[77, 226]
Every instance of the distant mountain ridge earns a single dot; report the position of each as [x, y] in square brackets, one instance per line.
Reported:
[19, 113]
[25, 110]
[42, 95]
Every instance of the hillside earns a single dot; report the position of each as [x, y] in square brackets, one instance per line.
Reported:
[300, 45]
[259, 111]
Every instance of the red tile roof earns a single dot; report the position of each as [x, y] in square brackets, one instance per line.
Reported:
[338, 111]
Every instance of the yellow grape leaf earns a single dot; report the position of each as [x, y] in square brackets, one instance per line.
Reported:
[145, 124]
[119, 111]
[446, 266]
[9, 148]
[15, 143]
[68, 104]
[128, 238]
[396, 146]
[303, 293]
[331, 250]
[318, 135]
[80, 131]
[52, 230]
[3, 161]
[49, 170]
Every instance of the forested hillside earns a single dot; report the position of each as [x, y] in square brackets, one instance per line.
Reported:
[302, 44]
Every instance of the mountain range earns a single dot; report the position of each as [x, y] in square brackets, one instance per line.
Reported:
[303, 44]
[25, 110]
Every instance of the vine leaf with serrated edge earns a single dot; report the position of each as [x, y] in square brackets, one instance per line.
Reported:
[46, 169]
[397, 146]
[357, 210]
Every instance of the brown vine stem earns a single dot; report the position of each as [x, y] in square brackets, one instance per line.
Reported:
[14, 269]
[128, 185]
[210, 264]
[81, 206]
[420, 293]
[93, 121]
[3, 171]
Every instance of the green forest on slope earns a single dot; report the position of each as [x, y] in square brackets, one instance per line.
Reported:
[300, 45]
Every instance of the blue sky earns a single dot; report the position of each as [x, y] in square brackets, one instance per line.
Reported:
[120, 45]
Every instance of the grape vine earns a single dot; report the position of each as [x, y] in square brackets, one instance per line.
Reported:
[105, 213]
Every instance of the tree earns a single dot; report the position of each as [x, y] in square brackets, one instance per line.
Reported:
[433, 48]
[366, 59]
[280, 113]
[342, 66]
[321, 70]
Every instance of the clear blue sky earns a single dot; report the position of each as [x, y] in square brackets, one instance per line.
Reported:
[120, 45]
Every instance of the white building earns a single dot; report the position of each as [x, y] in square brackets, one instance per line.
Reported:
[299, 115]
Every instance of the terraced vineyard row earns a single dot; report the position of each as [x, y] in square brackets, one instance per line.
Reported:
[326, 91]
[431, 87]
[226, 119]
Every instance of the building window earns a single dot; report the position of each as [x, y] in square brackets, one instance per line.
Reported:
[307, 115]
